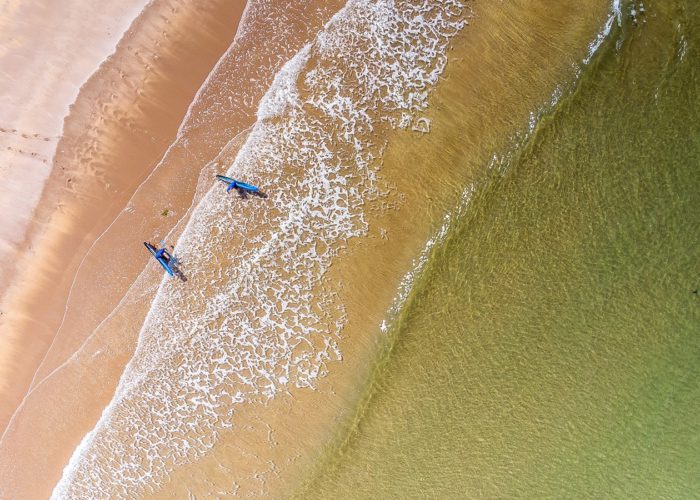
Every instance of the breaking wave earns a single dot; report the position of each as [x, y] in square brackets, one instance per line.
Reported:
[256, 316]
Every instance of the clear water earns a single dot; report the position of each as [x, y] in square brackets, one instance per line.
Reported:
[551, 347]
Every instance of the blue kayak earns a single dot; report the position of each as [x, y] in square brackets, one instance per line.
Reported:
[234, 184]
[159, 256]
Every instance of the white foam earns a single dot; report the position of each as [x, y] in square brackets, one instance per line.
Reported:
[257, 318]
[615, 15]
[418, 265]
[283, 91]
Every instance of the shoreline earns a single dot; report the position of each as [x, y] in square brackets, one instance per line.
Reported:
[270, 442]
[141, 99]
[335, 392]
[63, 366]
[125, 116]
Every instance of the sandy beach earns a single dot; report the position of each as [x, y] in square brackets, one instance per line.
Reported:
[132, 129]
[44, 63]
[44, 59]
[175, 104]
[124, 118]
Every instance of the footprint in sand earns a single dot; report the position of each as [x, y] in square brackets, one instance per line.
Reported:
[26, 135]
[31, 154]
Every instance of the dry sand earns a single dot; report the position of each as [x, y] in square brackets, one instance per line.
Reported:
[47, 52]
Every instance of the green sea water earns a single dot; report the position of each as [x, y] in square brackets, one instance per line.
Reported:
[551, 346]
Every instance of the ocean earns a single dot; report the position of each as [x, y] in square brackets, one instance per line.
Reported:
[473, 272]
[549, 348]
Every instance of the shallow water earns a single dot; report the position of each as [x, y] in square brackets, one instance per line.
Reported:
[278, 290]
[550, 347]
[255, 317]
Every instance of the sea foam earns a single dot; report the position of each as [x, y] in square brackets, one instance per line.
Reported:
[256, 316]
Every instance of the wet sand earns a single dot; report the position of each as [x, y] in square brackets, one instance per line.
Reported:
[122, 122]
[272, 443]
[81, 356]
